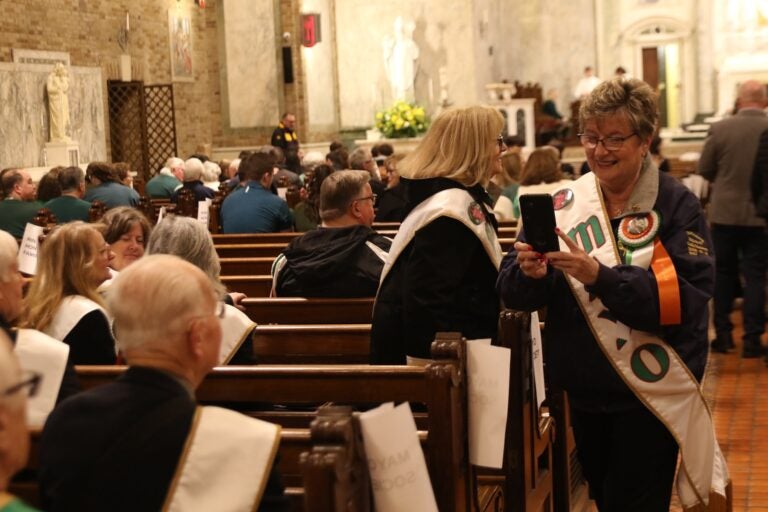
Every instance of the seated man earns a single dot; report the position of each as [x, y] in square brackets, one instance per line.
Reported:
[141, 441]
[167, 181]
[18, 205]
[106, 187]
[252, 207]
[69, 205]
[14, 448]
[193, 175]
[342, 258]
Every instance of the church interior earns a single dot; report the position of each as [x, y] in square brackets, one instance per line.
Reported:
[153, 79]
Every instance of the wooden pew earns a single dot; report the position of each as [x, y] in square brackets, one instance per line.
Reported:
[251, 285]
[268, 238]
[246, 266]
[440, 388]
[569, 483]
[527, 473]
[250, 250]
[312, 344]
[296, 310]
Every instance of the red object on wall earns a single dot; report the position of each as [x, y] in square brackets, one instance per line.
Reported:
[310, 30]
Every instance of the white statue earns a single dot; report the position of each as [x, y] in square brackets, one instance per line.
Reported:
[400, 56]
[58, 104]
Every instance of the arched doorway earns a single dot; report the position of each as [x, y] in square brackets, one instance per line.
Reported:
[662, 50]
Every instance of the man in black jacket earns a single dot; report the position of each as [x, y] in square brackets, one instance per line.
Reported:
[342, 258]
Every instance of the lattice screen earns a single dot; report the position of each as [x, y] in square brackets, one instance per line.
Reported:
[142, 124]
[161, 125]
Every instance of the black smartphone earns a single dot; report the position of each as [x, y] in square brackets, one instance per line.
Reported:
[539, 222]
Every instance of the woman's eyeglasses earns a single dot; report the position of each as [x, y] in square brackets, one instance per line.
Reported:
[500, 142]
[613, 143]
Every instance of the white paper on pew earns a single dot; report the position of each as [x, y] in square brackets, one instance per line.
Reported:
[203, 211]
[488, 380]
[537, 360]
[161, 214]
[399, 475]
[28, 249]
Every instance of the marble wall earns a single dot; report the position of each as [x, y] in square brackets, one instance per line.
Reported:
[320, 70]
[24, 114]
[445, 37]
[250, 74]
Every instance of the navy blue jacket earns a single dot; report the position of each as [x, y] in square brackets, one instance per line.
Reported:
[574, 360]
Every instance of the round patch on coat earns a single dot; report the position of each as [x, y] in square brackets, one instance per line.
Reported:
[475, 213]
[562, 198]
[639, 230]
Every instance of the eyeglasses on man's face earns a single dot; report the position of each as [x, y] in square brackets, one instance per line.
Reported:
[30, 383]
[372, 197]
[612, 143]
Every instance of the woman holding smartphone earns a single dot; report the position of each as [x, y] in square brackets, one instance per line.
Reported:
[626, 299]
[444, 261]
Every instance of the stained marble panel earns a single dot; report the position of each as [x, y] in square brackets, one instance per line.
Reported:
[24, 114]
[251, 74]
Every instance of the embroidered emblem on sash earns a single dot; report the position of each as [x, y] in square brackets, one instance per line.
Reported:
[639, 230]
[562, 198]
[475, 213]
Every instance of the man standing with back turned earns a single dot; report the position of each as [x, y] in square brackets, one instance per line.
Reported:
[737, 232]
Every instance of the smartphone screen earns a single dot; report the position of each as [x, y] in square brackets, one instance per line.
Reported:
[539, 222]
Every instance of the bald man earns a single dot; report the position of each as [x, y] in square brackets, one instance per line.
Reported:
[18, 205]
[14, 436]
[738, 234]
[122, 445]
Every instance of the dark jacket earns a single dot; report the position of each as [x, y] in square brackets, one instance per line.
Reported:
[116, 447]
[442, 281]
[760, 178]
[201, 191]
[392, 205]
[575, 362]
[332, 262]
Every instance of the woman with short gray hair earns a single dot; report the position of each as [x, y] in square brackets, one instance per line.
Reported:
[190, 240]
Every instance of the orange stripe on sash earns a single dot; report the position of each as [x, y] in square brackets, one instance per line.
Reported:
[666, 279]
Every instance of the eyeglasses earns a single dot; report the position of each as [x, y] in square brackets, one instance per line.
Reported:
[500, 142]
[613, 143]
[372, 197]
[30, 381]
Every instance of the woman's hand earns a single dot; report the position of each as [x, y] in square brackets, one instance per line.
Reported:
[532, 263]
[575, 262]
[237, 297]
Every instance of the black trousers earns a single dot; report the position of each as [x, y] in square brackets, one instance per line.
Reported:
[628, 457]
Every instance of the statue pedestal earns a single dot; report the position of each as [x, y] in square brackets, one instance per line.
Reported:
[66, 154]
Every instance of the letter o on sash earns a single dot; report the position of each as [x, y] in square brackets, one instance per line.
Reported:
[641, 370]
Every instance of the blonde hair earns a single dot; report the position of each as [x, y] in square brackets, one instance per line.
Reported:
[542, 167]
[64, 264]
[460, 145]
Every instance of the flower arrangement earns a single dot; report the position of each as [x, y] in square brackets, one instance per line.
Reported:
[402, 120]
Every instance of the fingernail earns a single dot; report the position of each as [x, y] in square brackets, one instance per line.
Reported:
[557, 230]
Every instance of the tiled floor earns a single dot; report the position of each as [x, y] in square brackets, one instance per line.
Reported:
[737, 392]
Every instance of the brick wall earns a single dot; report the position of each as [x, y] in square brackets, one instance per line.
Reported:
[88, 30]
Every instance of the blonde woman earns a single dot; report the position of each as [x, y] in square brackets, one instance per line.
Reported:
[63, 302]
[442, 267]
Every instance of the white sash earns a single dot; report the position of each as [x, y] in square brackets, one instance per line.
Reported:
[235, 328]
[455, 203]
[71, 310]
[652, 369]
[225, 464]
[38, 352]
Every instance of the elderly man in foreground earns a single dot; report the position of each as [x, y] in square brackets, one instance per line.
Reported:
[141, 442]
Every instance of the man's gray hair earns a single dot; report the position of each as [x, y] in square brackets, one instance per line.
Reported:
[193, 169]
[174, 161]
[152, 300]
[190, 240]
[339, 190]
[70, 178]
[9, 251]
[211, 171]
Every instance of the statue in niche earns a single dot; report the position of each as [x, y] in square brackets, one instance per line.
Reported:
[58, 103]
[400, 57]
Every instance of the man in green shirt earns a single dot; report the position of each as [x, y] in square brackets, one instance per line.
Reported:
[165, 182]
[70, 205]
[18, 206]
